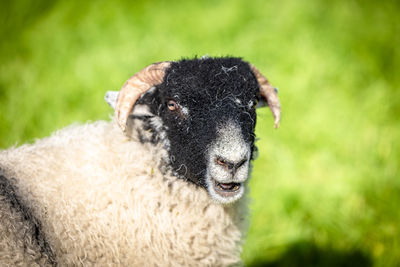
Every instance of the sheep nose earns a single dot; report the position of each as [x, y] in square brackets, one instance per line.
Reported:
[231, 166]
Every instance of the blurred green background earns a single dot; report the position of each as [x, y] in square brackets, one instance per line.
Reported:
[326, 185]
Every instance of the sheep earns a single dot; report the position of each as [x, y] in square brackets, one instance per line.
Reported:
[164, 183]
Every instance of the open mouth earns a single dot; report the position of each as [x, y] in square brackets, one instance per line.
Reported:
[226, 189]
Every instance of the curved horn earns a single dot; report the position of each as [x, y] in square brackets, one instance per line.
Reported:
[135, 87]
[270, 94]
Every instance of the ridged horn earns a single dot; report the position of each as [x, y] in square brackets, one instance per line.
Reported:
[135, 86]
[270, 94]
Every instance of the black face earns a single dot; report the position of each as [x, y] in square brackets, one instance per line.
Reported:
[195, 99]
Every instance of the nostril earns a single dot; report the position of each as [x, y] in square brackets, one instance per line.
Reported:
[224, 163]
[221, 162]
[230, 165]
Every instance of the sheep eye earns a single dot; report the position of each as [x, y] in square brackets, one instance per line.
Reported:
[172, 105]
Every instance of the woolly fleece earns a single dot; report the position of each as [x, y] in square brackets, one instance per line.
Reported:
[100, 199]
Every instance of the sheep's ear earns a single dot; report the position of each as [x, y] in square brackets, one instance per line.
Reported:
[111, 98]
[139, 109]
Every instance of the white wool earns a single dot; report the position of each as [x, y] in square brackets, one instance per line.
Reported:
[102, 200]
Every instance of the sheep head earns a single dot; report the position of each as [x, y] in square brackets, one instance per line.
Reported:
[203, 112]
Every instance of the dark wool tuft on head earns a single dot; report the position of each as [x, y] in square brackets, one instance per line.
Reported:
[214, 91]
[210, 92]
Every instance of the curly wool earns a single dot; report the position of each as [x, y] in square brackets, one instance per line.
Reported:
[100, 199]
[215, 90]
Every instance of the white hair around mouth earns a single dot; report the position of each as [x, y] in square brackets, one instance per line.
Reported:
[224, 186]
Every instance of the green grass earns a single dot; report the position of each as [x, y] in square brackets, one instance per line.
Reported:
[326, 185]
